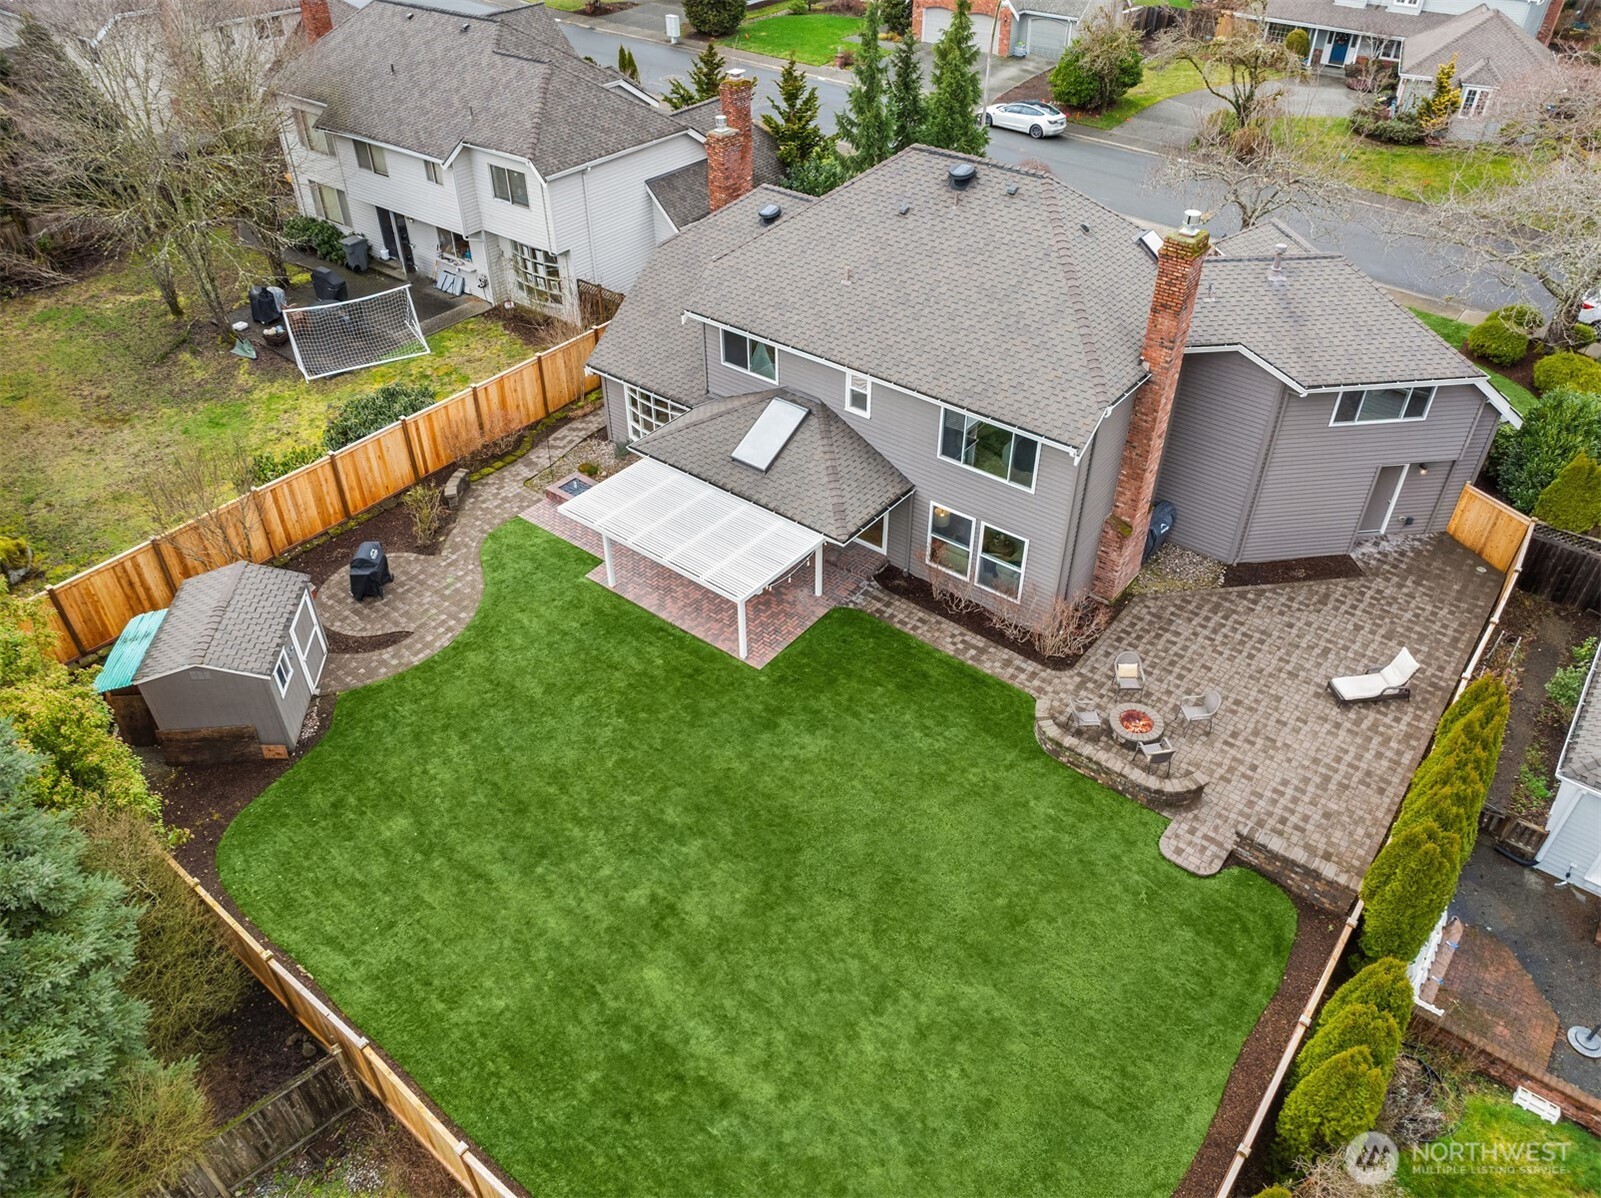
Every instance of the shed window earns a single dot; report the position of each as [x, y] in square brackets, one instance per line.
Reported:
[1007, 455]
[283, 672]
[511, 186]
[750, 355]
[1381, 404]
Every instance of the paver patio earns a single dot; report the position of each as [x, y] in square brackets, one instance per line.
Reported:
[1296, 782]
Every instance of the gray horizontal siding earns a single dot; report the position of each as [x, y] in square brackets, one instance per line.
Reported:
[1102, 461]
[1317, 478]
[1222, 416]
[1577, 843]
[206, 698]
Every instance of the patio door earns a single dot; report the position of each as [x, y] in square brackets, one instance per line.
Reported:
[1381, 501]
[397, 238]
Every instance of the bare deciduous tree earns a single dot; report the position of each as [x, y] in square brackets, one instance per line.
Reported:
[1244, 69]
[193, 487]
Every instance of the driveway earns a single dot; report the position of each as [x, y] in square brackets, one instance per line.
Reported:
[1173, 122]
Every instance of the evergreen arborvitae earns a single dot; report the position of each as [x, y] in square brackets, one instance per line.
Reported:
[1335, 1102]
[66, 943]
[951, 112]
[793, 121]
[865, 121]
[1382, 984]
[897, 16]
[626, 64]
[1353, 1024]
[1573, 500]
[905, 96]
[705, 77]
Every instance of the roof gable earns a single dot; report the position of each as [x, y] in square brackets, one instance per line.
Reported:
[1491, 50]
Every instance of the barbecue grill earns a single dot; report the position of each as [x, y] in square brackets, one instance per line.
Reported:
[369, 571]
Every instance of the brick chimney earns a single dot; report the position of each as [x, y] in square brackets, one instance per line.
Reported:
[734, 98]
[315, 19]
[1178, 277]
[1553, 10]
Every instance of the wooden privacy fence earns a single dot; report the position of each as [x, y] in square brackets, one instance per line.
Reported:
[90, 609]
[1564, 567]
[1489, 527]
[359, 1057]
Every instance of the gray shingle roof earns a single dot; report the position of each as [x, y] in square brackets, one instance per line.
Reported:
[682, 193]
[1490, 49]
[1324, 324]
[826, 477]
[1259, 241]
[1326, 14]
[1581, 757]
[921, 300]
[646, 343]
[514, 85]
[235, 618]
[1075, 9]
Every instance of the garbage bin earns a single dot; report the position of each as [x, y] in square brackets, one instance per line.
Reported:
[263, 308]
[357, 252]
[328, 284]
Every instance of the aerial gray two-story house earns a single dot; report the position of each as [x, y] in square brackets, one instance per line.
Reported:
[975, 370]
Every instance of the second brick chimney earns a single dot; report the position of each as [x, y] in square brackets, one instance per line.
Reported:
[315, 19]
[730, 150]
[1178, 277]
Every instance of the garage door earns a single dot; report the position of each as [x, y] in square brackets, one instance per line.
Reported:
[937, 20]
[1046, 38]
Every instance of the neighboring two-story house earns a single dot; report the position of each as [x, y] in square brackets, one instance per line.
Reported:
[470, 145]
[972, 368]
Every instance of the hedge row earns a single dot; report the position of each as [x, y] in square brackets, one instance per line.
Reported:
[1413, 877]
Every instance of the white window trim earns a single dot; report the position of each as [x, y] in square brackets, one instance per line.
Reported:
[883, 523]
[851, 379]
[376, 157]
[434, 172]
[287, 665]
[557, 275]
[972, 551]
[1021, 567]
[342, 219]
[939, 448]
[722, 352]
[632, 395]
[509, 198]
[1428, 407]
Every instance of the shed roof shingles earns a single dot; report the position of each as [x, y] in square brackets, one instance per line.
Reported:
[234, 618]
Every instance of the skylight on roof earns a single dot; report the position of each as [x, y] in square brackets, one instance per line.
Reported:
[771, 432]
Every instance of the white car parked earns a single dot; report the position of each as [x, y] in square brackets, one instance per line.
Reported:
[1034, 117]
[1590, 309]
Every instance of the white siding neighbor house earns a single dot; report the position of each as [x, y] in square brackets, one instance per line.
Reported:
[1572, 848]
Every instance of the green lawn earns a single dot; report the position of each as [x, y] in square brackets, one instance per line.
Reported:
[645, 920]
[813, 37]
[1520, 1154]
[1456, 332]
[1425, 173]
[97, 382]
[1158, 84]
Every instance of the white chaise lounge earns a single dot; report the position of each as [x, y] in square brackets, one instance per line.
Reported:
[1387, 682]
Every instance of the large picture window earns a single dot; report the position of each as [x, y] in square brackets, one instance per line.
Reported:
[538, 273]
[371, 158]
[1378, 404]
[511, 186]
[647, 412]
[1007, 455]
[950, 540]
[750, 355]
[1000, 562]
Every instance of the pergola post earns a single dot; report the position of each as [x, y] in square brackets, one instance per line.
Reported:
[605, 549]
[817, 586]
[742, 645]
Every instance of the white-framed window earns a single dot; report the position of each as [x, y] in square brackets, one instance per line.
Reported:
[1001, 557]
[511, 186]
[453, 243]
[1008, 455]
[647, 412]
[750, 355]
[1474, 101]
[1382, 405]
[371, 158]
[331, 204]
[435, 173]
[283, 672]
[538, 273]
[311, 137]
[876, 535]
[950, 540]
[858, 394]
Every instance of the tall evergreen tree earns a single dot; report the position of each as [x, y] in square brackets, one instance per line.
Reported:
[793, 121]
[951, 110]
[897, 16]
[626, 63]
[905, 95]
[66, 943]
[865, 121]
[705, 77]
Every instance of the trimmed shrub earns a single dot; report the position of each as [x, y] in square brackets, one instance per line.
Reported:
[1496, 341]
[714, 18]
[313, 235]
[1520, 316]
[1337, 1101]
[1354, 1024]
[1298, 42]
[371, 411]
[1573, 500]
[1568, 369]
[1582, 335]
[1407, 886]
[1452, 807]
[1382, 984]
[1565, 423]
[1375, 121]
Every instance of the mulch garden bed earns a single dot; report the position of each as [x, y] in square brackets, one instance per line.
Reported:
[1296, 569]
[1315, 934]
[260, 1049]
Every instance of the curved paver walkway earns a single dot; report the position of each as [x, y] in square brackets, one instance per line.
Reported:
[434, 596]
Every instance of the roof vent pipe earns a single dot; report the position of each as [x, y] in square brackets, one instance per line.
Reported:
[962, 175]
[1276, 271]
[1192, 222]
[769, 213]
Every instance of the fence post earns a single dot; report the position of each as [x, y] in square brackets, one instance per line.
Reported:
[411, 452]
[161, 560]
[72, 633]
[339, 485]
[478, 414]
[544, 387]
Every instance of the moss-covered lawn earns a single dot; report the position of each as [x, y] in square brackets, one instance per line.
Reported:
[97, 382]
[1424, 173]
[645, 920]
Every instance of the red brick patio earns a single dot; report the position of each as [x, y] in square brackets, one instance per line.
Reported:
[775, 617]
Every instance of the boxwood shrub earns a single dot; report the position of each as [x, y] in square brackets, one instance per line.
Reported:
[1496, 341]
[315, 236]
[1568, 370]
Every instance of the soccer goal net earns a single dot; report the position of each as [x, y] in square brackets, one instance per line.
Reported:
[354, 334]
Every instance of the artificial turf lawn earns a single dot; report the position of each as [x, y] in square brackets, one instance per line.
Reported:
[643, 919]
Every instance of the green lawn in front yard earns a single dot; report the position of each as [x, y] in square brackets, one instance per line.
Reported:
[1160, 83]
[645, 920]
[1498, 1150]
[1456, 332]
[814, 37]
[1424, 173]
[97, 382]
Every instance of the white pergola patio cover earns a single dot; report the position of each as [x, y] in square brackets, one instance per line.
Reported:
[716, 540]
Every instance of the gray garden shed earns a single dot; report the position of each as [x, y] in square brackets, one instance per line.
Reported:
[240, 648]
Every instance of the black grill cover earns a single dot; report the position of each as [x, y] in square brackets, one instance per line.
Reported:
[1163, 516]
[263, 308]
[369, 570]
[329, 284]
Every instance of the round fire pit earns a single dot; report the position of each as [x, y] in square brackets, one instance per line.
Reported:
[1135, 725]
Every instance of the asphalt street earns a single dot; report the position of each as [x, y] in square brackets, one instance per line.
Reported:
[1126, 180]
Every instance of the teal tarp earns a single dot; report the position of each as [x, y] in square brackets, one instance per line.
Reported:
[129, 651]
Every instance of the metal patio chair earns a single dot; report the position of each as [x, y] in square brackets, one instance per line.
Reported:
[1199, 709]
[1128, 671]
